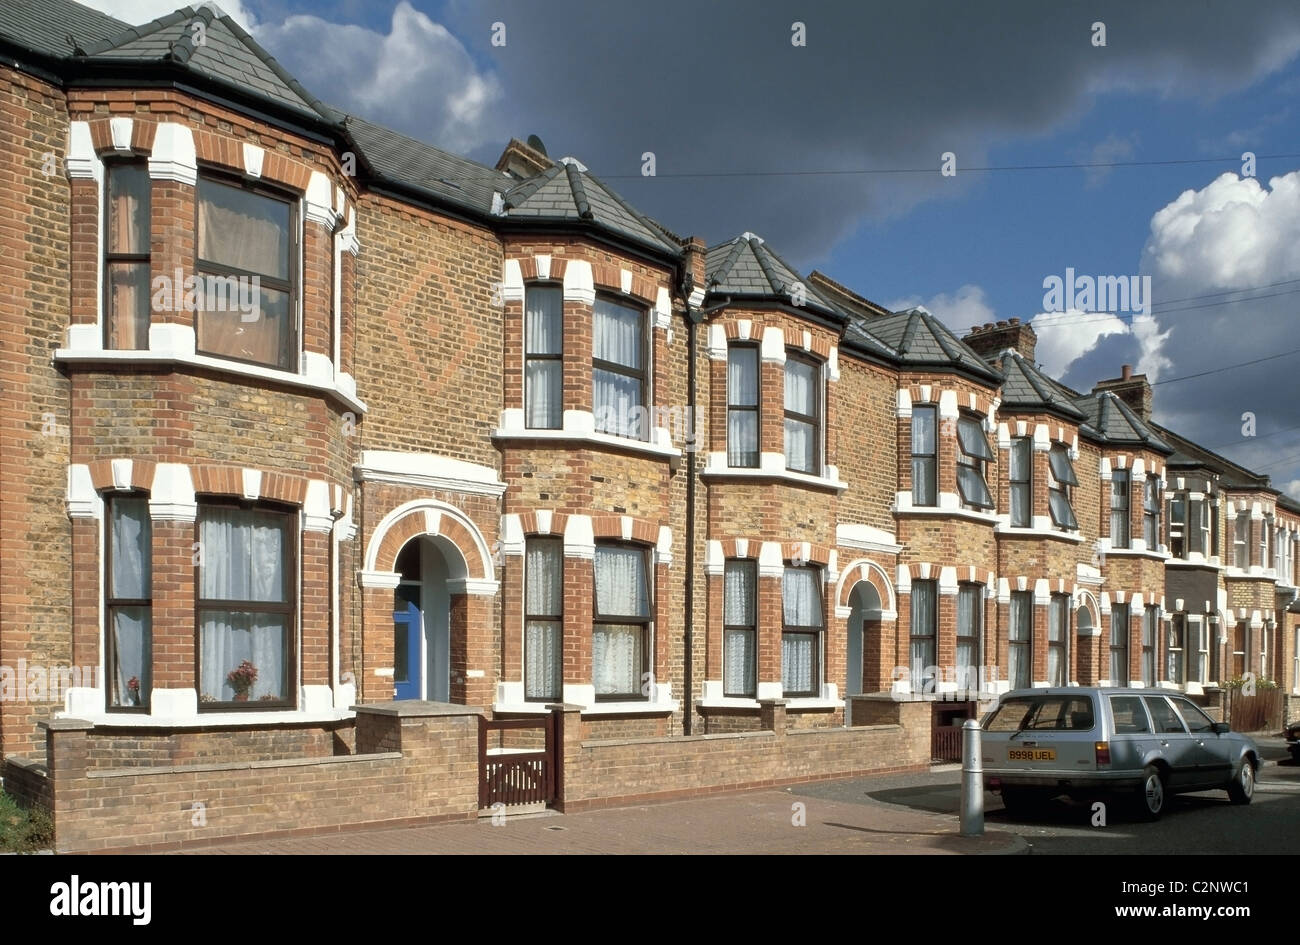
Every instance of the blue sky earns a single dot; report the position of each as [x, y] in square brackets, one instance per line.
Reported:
[719, 89]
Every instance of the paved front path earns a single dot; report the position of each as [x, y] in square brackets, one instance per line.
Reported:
[760, 822]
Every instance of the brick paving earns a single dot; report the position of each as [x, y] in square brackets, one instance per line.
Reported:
[759, 822]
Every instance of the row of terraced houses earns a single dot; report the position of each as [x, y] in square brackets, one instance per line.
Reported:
[323, 449]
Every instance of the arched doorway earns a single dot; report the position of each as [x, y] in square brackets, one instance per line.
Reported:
[422, 619]
[863, 624]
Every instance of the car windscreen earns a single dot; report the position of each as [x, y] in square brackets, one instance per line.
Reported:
[1040, 713]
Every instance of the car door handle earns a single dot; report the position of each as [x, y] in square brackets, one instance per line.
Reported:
[1164, 744]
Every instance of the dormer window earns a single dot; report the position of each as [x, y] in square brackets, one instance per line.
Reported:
[972, 459]
[245, 261]
[1058, 493]
[126, 256]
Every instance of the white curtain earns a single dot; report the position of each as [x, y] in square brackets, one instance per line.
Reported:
[738, 607]
[621, 589]
[800, 397]
[131, 557]
[543, 639]
[801, 600]
[243, 556]
[1058, 617]
[544, 334]
[1018, 658]
[970, 619]
[617, 399]
[922, 650]
[616, 659]
[243, 560]
[1021, 474]
[742, 391]
[797, 650]
[243, 230]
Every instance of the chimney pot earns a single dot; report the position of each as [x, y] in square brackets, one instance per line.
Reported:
[1015, 321]
[1002, 324]
[1126, 372]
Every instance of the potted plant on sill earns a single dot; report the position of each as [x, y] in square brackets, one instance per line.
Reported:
[133, 690]
[241, 680]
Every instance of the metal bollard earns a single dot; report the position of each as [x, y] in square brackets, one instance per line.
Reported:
[972, 780]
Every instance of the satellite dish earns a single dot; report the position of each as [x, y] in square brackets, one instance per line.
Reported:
[535, 143]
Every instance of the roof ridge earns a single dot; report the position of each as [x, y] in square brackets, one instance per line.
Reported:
[523, 191]
[274, 65]
[636, 214]
[909, 331]
[738, 245]
[132, 33]
[580, 200]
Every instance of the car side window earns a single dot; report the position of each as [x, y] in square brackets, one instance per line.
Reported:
[1130, 717]
[1197, 721]
[1163, 716]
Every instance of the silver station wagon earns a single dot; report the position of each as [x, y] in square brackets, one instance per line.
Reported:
[1146, 744]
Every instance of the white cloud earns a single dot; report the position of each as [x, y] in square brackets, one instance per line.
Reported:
[138, 12]
[1064, 337]
[417, 78]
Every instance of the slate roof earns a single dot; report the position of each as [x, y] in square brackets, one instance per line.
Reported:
[921, 340]
[1112, 420]
[422, 166]
[226, 54]
[1028, 388]
[746, 267]
[568, 192]
[44, 25]
[1189, 454]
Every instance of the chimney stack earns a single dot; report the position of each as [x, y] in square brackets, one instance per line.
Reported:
[1131, 388]
[992, 339]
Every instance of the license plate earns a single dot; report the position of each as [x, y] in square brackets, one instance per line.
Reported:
[1031, 754]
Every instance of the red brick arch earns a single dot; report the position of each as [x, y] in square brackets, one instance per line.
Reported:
[430, 517]
[611, 527]
[865, 569]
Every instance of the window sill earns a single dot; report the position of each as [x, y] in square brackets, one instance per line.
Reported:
[771, 468]
[341, 386]
[1253, 572]
[931, 511]
[524, 708]
[797, 703]
[728, 702]
[1028, 531]
[656, 450]
[1204, 564]
[1134, 553]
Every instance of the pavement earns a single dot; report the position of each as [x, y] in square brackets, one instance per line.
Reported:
[757, 822]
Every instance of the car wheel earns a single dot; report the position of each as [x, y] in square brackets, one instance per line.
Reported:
[1241, 789]
[1152, 794]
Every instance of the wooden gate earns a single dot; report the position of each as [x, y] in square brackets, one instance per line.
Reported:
[945, 729]
[518, 771]
[1255, 713]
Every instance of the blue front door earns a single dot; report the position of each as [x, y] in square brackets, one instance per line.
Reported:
[407, 631]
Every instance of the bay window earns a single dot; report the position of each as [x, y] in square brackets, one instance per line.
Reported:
[802, 415]
[129, 601]
[620, 643]
[246, 254]
[543, 618]
[1174, 653]
[1178, 513]
[1058, 493]
[1119, 509]
[1119, 617]
[1241, 540]
[802, 626]
[924, 454]
[246, 605]
[618, 369]
[1058, 640]
[1150, 631]
[923, 654]
[1020, 647]
[1021, 476]
[970, 634]
[740, 628]
[544, 357]
[973, 456]
[1151, 512]
[126, 256]
[742, 406]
